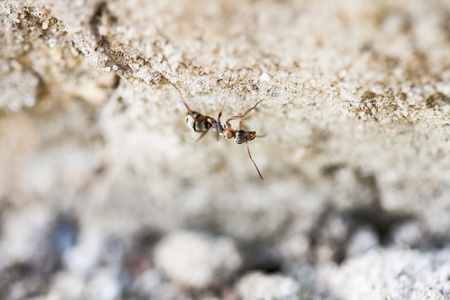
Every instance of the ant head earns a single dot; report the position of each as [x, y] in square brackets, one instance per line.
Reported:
[243, 136]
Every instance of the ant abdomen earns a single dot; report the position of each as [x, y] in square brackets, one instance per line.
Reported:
[202, 126]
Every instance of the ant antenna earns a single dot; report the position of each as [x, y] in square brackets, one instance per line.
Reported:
[224, 99]
[242, 116]
[181, 95]
[223, 104]
[249, 155]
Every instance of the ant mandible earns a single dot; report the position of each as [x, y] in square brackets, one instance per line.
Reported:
[202, 124]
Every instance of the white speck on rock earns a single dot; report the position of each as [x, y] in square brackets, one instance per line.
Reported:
[52, 43]
[265, 77]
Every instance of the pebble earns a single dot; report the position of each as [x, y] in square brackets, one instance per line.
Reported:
[84, 257]
[257, 285]
[408, 234]
[104, 285]
[196, 260]
[363, 240]
[66, 285]
[24, 234]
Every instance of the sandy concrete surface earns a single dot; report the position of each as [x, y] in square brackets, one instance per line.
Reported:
[104, 193]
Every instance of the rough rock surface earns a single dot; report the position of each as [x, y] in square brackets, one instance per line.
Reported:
[97, 166]
[260, 286]
[392, 274]
[195, 260]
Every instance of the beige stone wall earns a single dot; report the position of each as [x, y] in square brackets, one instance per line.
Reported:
[356, 118]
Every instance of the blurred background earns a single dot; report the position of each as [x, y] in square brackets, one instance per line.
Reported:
[104, 193]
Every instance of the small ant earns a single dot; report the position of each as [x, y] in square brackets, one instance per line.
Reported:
[202, 124]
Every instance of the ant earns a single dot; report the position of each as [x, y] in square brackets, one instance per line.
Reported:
[202, 124]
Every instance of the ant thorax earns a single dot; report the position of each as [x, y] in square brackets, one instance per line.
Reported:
[227, 132]
[216, 126]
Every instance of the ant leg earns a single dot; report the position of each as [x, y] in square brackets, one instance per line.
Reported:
[249, 155]
[201, 136]
[202, 118]
[224, 100]
[242, 116]
[184, 102]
